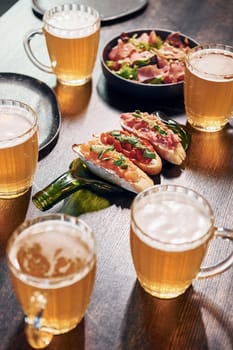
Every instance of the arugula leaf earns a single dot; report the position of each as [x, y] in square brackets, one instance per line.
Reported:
[178, 129]
[110, 63]
[121, 162]
[157, 81]
[101, 150]
[115, 133]
[133, 140]
[158, 43]
[128, 72]
[137, 114]
[149, 154]
[160, 130]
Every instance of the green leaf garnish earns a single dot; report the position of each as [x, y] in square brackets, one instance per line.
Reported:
[160, 130]
[128, 72]
[156, 81]
[178, 129]
[149, 154]
[137, 113]
[158, 43]
[115, 133]
[110, 64]
[101, 150]
[121, 162]
[133, 140]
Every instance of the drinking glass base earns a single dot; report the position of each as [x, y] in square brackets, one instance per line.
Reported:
[208, 127]
[74, 82]
[12, 195]
[164, 292]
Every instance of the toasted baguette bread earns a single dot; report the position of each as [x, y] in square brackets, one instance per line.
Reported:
[137, 149]
[107, 163]
[166, 143]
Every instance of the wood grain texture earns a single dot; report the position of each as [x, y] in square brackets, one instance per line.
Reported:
[121, 316]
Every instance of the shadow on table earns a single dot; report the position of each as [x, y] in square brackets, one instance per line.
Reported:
[168, 324]
[72, 340]
[73, 100]
[209, 152]
[12, 214]
[124, 102]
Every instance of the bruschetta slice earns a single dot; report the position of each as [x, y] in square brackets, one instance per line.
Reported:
[138, 150]
[166, 143]
[107, 163]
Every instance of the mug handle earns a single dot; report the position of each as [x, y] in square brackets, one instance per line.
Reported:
[30, 54]
[205, 272]
[37, 337]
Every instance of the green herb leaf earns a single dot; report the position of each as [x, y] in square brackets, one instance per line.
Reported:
[137, 113]
[115, 133]
[160, 130]
[101, 150]
[158, 43]
[178, 129]
[110, 64]
[128, 72]
[156, 81]
[148, 154]
[121, 162]
[133, 140]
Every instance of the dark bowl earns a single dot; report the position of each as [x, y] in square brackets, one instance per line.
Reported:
[137, 89]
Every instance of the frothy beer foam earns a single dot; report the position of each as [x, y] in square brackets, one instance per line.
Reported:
[171, 218]
[71, 24]
[54, 251]
[213, 62]
[13, 123]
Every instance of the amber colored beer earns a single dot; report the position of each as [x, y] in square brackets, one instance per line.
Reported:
[18, 148]
[72, 38]
[53, 265]
[169, 236]
[208, 87]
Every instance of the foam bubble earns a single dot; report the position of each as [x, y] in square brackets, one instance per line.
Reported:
[172, 219]
[213, 62]
[53, 251]
[71, 24]
[13, 123]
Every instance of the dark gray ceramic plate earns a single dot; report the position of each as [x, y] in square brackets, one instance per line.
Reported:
[142, 90]
[41, 98]
[109, 10]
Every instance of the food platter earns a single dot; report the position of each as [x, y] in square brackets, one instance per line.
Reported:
[136, 88]
[41, 98]
[117, 161]
[109, 10]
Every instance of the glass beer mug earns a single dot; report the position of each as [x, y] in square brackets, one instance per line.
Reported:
[72, 37]
[18, 148]
[52, 263]
[208, 86]
[171, 227]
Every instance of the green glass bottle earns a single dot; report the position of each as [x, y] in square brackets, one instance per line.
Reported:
[77, 177]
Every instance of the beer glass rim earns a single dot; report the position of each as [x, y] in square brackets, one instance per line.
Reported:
[50, 281]
[209, 46]
[179, 189]
[19, 105]
[70, 6]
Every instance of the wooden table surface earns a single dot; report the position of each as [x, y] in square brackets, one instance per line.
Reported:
[121, 315]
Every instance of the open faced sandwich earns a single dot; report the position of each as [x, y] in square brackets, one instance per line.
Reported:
[130, 156]
[150, 127]
[111, 165]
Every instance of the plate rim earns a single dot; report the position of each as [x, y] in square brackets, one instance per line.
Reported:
[141, 5]
[38, 83]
